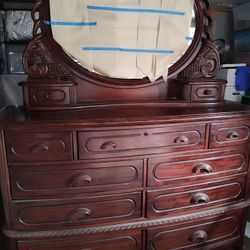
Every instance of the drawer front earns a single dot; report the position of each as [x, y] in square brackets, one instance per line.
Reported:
[175, 170]
[170, 201]
[40, 181]
[28, 147]
[229, 134]
[117, 242]
[196, 235]
[81, 211]
[39, 96]
[94, 144]
[204, 93]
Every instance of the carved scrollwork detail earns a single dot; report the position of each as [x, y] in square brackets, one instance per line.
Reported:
[38, 62]
[205, 65]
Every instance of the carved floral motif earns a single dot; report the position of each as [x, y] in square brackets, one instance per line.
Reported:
[38, 61]
[205, 65]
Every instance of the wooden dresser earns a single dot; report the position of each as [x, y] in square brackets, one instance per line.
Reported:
[97, 163]
[170, 178]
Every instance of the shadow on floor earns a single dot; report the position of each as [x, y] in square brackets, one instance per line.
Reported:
[246, 244]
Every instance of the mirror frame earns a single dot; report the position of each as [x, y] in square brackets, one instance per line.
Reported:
[45, 59]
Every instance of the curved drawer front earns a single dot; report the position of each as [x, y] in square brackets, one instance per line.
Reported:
[194, 236]
[165, 202]
[52, 96]
[56, 213]
[63, 180]
[117, 242]
[229, 134]
[196, 167]
[28, 147]
[94, 144]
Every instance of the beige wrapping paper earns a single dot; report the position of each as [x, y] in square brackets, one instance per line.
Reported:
[123, 38]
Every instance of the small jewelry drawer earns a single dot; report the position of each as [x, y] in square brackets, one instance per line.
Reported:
[207, 90]
[65, 180]
[55, 213]
[172, 201]
[37, 95]
[110, 241]
[229, 134]
[126, 142]
[196, 167]
[52, 96]
[197, 235]
[28, 147]
[204, 93]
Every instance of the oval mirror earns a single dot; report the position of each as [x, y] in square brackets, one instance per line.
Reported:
[125, 42]
[123, 38]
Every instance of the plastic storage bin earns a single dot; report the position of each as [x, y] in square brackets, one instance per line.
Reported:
[18, 25]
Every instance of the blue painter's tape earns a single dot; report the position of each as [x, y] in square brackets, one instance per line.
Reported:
[166, 12]
[70, 23]
[128, 50]
[189, 38]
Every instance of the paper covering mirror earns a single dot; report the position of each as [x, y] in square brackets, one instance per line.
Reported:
[123, 38]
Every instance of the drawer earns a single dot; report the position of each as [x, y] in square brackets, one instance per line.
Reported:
[39, 94]
[126, 142]
[63, 180]
[198, 235]
[28, 147]
[188, 199]
[229, 134]
[55, 213]
[51, 96]
[175, 170]
[206, 92]
[110, 241]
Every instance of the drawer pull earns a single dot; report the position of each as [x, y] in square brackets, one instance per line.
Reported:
[79, 214]
[199, 236]
[202, 168]
[233, 135]
[79, 180]
[108, 145]
[181, 140]
[39, 148]
[208, 92]
[199, 198]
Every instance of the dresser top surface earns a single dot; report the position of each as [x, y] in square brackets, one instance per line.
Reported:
[128, 113]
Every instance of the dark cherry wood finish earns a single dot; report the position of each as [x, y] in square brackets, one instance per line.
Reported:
[200, 90]
[139, 141]
[75, 179]
[102, 163]
[205, 234]
[39, 146]
[51, 214]
[67, 199]
[128, 241]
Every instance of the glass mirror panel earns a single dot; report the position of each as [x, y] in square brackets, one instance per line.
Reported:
[124, 38]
